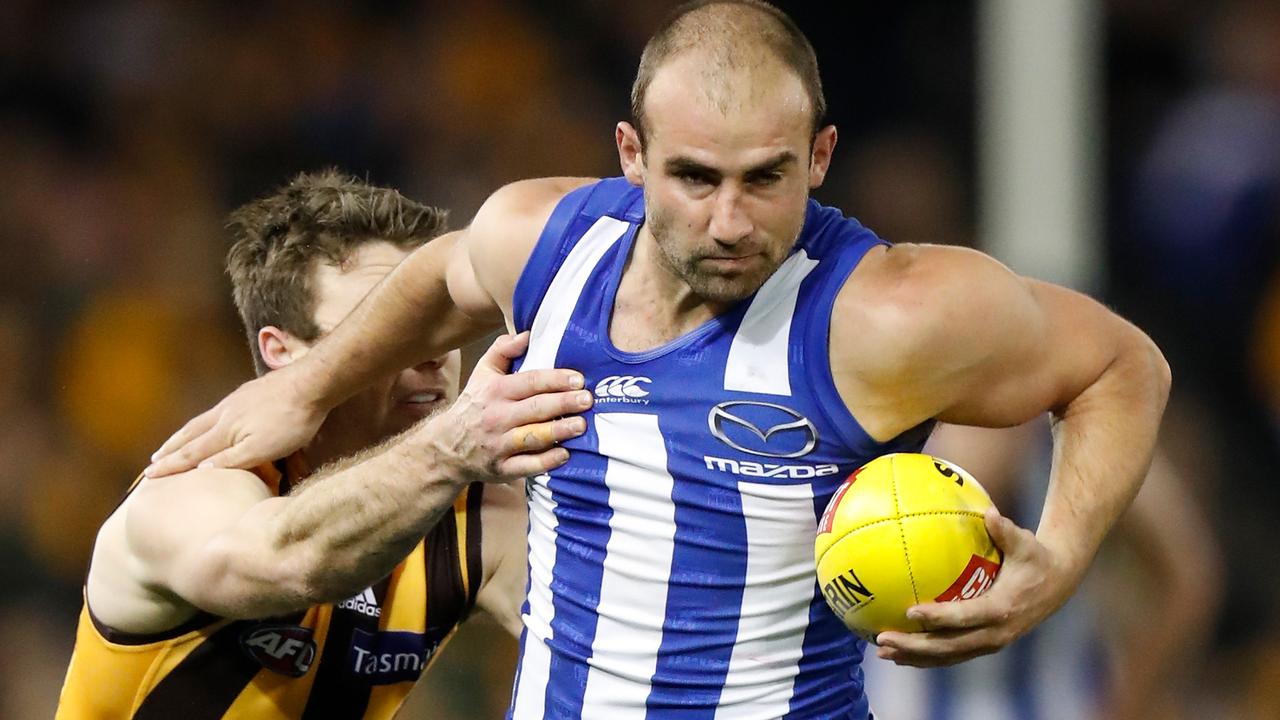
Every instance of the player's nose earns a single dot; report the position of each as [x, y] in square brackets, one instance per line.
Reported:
[729, 222]
[434, 363]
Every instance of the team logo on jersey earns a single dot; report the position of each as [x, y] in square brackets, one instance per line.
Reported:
[761, 428]
[386, 657]
[364, 603]
[285, 649]
[623, 388]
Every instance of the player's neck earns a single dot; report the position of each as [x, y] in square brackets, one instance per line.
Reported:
[654, 305]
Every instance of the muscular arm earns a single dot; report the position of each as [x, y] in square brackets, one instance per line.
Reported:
[450, 291]
[957, 337]
[214, 539]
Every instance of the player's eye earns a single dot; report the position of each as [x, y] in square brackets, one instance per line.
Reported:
[693, 178]
[765, 179]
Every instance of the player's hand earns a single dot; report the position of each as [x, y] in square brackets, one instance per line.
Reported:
[1032, 584]
[509, 426]
[263, 420]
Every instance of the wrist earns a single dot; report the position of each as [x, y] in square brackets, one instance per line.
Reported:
[444, 443]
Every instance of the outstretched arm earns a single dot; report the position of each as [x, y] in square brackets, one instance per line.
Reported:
[214, 538]
[449, 292]
[958, 337]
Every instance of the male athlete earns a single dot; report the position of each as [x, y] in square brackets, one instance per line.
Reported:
[270, 594]
[748, 349]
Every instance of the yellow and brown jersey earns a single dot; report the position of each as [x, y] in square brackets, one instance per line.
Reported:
[353, 659]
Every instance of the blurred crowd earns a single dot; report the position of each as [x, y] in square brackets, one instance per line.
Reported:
[129, 128]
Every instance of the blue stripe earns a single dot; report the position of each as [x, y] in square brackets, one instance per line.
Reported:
[582, 534]
[704, 597]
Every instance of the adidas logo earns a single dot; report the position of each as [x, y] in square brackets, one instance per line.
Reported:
[364, 603]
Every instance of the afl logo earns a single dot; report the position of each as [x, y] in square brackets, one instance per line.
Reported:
[285, 649]
[622, 387]
[761, 428]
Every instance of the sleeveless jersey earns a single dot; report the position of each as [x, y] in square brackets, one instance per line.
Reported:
[671, 559]
[354, 659]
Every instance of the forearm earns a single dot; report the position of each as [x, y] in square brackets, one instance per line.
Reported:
[390, 330]
[349, 527]
[339, 532]
[1103, 442]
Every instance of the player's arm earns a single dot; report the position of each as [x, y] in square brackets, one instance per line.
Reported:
[449, 292]
[212, 538]
[504, 515]
[951, 334]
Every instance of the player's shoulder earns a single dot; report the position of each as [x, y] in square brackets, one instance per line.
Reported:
[528, 200]
[162, 510]
[908, 299]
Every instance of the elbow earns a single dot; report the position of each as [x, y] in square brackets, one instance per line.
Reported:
[1153, 367]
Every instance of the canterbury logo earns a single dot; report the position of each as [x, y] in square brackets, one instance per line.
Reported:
[622, 387]
[364, 603]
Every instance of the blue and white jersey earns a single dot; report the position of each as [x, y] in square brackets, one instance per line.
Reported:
[671, 570]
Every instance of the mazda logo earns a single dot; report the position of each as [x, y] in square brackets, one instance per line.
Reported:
[761, 428]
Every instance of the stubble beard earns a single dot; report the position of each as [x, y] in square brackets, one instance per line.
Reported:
[713, 287]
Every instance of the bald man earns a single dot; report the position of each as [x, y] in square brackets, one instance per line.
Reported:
[747, 348]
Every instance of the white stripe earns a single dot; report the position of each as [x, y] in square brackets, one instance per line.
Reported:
[637, 566]
[900, 693]
[535, 663]
[758, 356]
[562, 295]
[367, 594]
[781, 525]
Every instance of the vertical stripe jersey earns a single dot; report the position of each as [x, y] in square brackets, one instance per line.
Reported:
[671, 559]
[357, 658]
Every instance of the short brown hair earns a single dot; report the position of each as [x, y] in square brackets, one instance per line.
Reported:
[723, 27]
[326, 216]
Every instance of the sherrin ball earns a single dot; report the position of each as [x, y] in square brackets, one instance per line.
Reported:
[903, 529]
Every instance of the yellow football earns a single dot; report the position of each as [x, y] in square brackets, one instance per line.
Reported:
[903, 529]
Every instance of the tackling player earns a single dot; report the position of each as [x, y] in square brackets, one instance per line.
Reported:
[282, 593]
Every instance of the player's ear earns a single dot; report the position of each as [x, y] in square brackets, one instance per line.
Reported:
[824, 145]
[279, 347]
[630, 152]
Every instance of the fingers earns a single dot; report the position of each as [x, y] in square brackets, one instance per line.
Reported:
[187, 456]
[504, 349]
[1005, 532]
[938, 648]
[536, 382]
[535, 464]
[236, 456]
[541, 436]
[549, 406]
[194, 428]
[981, 611]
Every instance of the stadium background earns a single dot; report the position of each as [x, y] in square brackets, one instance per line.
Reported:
[129, 128]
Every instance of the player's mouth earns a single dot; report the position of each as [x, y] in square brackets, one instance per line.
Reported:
[730, 263]
[422, 401]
